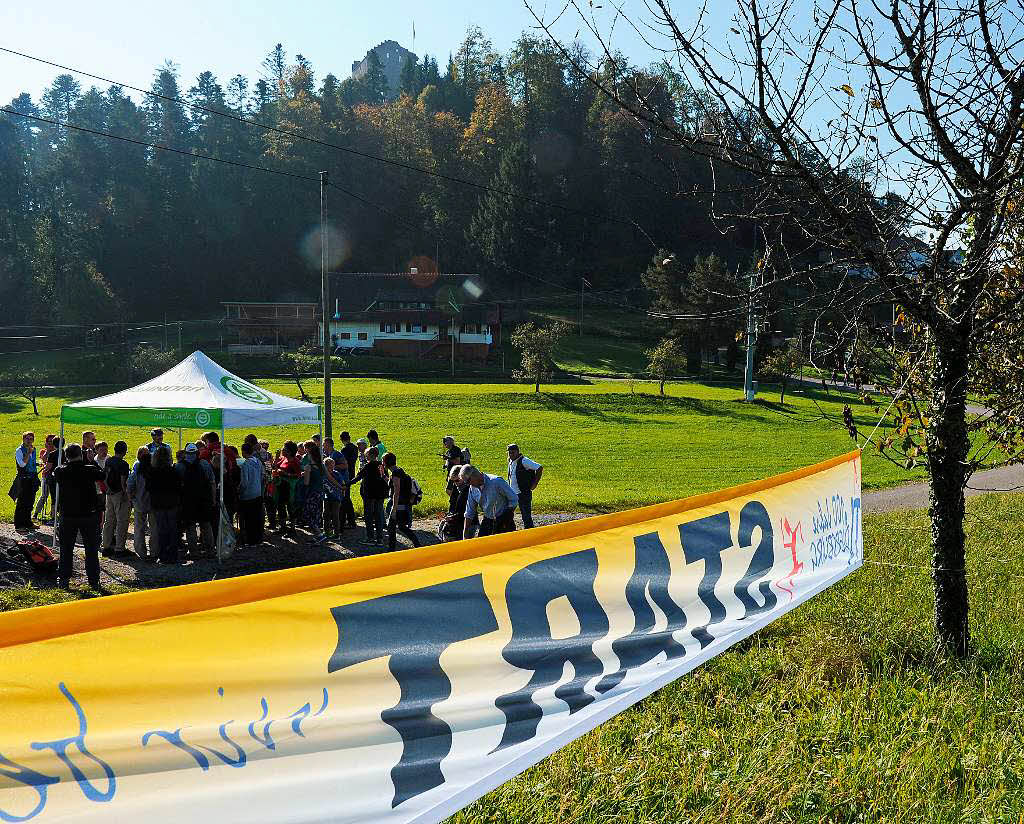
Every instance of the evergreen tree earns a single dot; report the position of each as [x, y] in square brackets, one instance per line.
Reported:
[376, 81]
[274, 66]
[410, 80]
[87, 224]
[503, 229]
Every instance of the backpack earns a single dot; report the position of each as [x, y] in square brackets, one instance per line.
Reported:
[415, 493]
[113, 474]
[39, 555]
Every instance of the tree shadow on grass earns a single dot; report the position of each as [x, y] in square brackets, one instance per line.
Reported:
[10, 404]
[625, 409]
[565, 379]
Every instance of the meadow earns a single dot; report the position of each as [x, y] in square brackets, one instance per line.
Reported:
[604, 445]
[839, 712]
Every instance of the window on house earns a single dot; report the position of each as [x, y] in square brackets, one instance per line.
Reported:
[362, 336]
[346, 336]
[415, 327]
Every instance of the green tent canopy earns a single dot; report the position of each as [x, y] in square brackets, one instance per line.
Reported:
[197, 393]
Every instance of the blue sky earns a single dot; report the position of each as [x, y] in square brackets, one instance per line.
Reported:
[128, 40]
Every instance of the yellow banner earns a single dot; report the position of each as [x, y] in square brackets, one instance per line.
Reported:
[397, 687]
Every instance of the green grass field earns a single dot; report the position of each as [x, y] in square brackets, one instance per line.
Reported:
[837, 713]
[603, 447]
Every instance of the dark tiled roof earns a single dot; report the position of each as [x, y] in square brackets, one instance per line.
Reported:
[359, 291]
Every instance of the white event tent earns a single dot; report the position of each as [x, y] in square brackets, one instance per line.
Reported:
[197, 393]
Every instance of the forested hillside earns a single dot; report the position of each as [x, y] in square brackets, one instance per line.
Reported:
[93, 229]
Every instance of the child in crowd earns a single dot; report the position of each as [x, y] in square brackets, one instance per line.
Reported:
[332, 499]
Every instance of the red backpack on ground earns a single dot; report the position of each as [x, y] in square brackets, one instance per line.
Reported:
[39, 555]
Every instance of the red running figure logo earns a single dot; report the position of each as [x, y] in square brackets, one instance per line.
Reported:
[789, 541]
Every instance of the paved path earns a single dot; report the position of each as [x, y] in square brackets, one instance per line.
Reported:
[915, 496]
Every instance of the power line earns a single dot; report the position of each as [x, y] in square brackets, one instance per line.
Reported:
[317, 141]
[255, 167]
[349, 192]
[394, 216]
[161, 147]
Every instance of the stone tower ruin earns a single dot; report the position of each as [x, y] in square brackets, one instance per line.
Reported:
[392, 57]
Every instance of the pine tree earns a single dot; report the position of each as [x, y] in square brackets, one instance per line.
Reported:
[503, 228]
[376, 81]
[274, 67]
[410, 81]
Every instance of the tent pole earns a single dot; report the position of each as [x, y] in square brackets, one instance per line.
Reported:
[56, 495]
[220, 512]
[179, 437]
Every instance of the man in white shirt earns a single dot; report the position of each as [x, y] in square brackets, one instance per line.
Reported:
[26, 482]
[523, 477]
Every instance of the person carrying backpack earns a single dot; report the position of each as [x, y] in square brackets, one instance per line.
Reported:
[405, 493]
[117, 504]
[523, 477]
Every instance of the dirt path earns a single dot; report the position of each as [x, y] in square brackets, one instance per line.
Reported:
[276, 553]
[286, 553]
[915, 496]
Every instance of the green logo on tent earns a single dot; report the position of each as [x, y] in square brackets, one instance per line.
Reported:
[245, 391]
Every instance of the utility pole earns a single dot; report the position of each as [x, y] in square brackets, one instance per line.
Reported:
[583, 283]
[325, 301]
[748, 378]
[454, 326]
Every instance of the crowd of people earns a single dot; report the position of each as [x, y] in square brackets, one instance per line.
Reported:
[175, 497]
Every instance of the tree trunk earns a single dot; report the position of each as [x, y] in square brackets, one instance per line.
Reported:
[298, 383]
[948, 447]
[536, 383]
[663, 387]
[782, 394]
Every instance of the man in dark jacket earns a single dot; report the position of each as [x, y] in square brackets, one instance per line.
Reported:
[351, 453]
[373, 487]
[164, 485]
[76, 489]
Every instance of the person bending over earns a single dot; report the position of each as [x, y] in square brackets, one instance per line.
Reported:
[493, 498]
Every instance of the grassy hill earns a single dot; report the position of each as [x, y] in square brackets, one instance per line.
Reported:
[839, 712]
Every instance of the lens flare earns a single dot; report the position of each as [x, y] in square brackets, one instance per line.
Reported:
[339, 247]
[423, 271]
[553, 152]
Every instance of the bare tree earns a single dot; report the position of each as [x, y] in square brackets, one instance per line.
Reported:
[883, 144]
